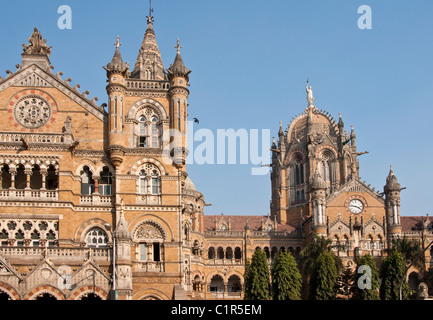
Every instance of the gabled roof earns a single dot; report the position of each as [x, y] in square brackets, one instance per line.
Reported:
[357, 186]
[35, 76]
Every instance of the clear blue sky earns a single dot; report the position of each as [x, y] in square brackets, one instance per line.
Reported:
[250, 61]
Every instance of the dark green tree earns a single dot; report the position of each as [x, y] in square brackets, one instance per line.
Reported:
[361, 292]
[324, 277]
[286, 278]
[392, 272]
[256, 277]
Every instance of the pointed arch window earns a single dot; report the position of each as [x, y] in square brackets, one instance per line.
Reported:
[155, 132]
[155, 182]
[6, 177]
[326, 168]
[297, 179]
[87, 182]
[142, 182]
[143, 132]
[106, 182]
[96, 238]
[149, 129]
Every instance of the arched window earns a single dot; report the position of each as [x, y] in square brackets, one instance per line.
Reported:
[216, 284]
[20, 178]
[36, 178]
[87, 182]
[96, 238]
[229, 253]
[211, 253]
[220, 253]
[155, 182]
[155, 132]
[149, 129]
[142, 182]
[274, 252]
[143, 132]
[52, 179]
[238, 253]
[6, 177]
[106, 182]
[234, 284]
[297, 179]
[326, 169]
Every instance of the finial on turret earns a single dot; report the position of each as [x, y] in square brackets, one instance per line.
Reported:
[178, 46]
[118, 44]
[150, 17]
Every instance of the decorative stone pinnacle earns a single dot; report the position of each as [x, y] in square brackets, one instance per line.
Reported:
[118, 44]
[178, 46]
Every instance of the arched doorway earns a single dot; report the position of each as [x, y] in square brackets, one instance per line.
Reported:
[216, 286]
[234, 286]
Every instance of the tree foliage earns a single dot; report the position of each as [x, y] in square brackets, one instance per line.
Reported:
[286, 278]
[324, 277]
[392, 273]
[257, 285]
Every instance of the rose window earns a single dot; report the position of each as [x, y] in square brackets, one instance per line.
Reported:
[32, 111]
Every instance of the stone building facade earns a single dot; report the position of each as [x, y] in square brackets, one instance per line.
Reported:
[93, 207]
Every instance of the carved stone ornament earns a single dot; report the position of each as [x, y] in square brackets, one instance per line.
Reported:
[32, 111]
[149, 231]
[37, 45]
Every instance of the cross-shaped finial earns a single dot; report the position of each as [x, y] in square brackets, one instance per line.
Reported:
[117, 44]
[178, 45]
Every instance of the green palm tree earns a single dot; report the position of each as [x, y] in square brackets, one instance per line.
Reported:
[310, 253]
[411, 251]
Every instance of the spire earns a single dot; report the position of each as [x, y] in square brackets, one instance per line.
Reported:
[116, 65]
[149, 65]
[177, 68]
[392, 183]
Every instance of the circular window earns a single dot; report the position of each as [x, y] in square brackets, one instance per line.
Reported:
[32, 111]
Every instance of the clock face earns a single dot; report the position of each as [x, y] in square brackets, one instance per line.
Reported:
[356, 206]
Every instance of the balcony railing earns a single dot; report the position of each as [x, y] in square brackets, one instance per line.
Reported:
[29, 195]
[96, 200]
[153, 266]
[98, 254]
[38, 138]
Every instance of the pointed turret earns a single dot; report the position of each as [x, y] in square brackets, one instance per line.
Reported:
[149, 65]
[392, 190]
[392, 183]
[178, 69]
[116, 66]
[178, 75]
